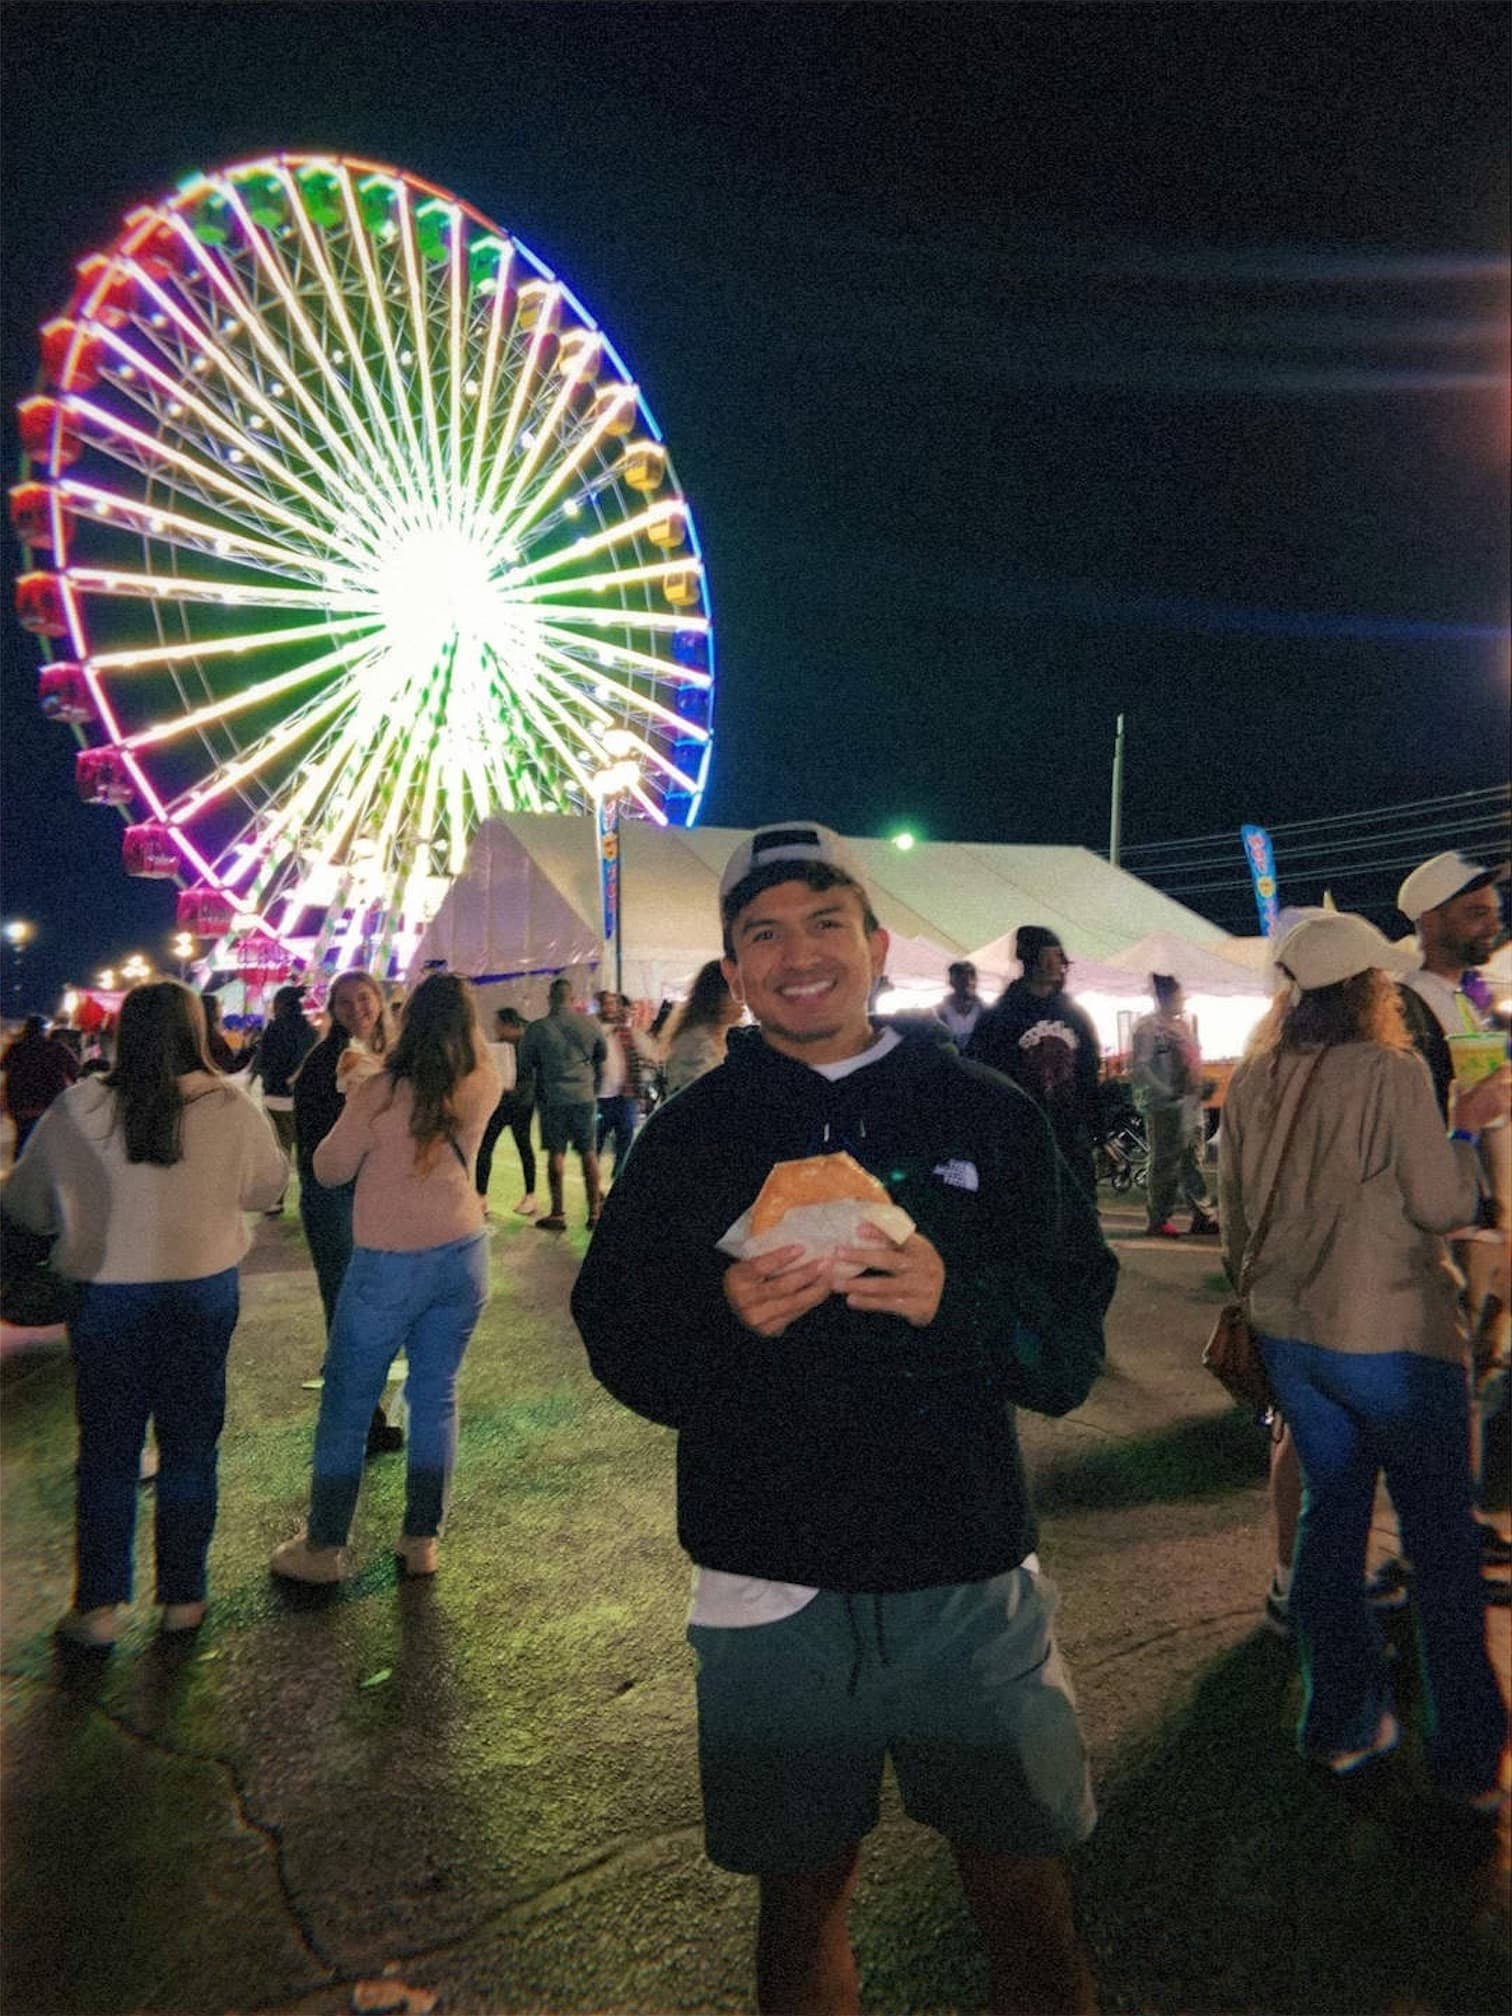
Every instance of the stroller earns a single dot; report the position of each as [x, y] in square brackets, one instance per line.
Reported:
[1123, 1159]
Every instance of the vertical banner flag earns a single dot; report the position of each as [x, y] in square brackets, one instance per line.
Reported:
[608, 842]
[1262, 867]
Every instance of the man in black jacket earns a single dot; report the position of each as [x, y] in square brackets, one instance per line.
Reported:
[848, 1474]
[1035, 1034]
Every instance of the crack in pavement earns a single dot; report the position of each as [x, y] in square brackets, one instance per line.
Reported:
[268, 1832]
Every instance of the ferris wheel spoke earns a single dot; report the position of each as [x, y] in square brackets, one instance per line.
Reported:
[486, 512]
[220, 647]
[563, 472]
[203, 343]
[420, 337]
[270, 264]
[220, 431]
[410, 471]
[246, 697]
[498, 304]
[631, 528]
[621, 618]
[117, 435]
[195, 535]
[601, 654]
[276, 742]
[394, 468]
[629, 696]
[187, 589]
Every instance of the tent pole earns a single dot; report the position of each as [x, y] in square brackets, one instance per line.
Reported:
[1115, 820]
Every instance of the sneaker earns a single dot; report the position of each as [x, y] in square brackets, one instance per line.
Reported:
[90, 1630]
[1276, 1616]
[182, 1617]
[527, 1207]
[1387, 1588]
[552, 1223]
[1203, 1224]
[297, 1561]
[1170, 1230]
[419, 1556]
[1344, 1763]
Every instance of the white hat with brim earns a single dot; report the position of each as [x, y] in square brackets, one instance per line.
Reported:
[1440, 881]
[795, 840]
[1321, 951]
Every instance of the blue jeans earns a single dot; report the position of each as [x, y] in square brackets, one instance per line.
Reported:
[326, 1216]
[424, 1304]
[149, 1350]
[620, 1117]
[1353, 1415]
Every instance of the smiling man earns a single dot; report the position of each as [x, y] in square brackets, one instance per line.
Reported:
[849, 1482]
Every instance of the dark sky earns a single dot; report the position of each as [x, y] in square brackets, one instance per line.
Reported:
[1022, 363]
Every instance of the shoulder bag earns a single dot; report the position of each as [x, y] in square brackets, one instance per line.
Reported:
[1232, 1351]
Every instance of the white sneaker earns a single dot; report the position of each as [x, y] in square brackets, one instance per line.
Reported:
[527, 1206]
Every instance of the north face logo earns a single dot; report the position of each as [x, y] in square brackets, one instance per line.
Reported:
[959, 1175]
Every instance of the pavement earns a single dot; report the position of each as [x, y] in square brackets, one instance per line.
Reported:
[483, 1789]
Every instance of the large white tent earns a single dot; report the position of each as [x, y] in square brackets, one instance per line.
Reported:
[527, 906]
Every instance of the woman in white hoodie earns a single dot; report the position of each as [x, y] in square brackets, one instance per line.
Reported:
[144, 1176]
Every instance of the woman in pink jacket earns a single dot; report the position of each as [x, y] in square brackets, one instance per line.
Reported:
[418, 1277]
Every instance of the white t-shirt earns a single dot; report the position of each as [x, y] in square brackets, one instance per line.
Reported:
[506, 1063]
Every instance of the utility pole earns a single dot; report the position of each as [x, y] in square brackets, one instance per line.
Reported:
[1115, 820]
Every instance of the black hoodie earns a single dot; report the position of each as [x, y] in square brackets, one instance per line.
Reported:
[855, 1452]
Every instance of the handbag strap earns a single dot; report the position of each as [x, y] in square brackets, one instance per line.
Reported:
[1257, 1237]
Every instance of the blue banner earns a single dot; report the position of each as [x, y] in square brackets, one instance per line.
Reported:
[608, 846]
[1262, 867]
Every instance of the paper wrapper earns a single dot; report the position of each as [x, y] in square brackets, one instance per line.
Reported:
[821, 1229]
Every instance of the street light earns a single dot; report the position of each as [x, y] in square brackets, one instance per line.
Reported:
[135, 969]
[18, 935]
[183, 951]
[106, 978]
[610, 785]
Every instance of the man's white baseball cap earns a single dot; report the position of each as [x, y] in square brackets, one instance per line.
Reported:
[1440, 881]
[794, 840]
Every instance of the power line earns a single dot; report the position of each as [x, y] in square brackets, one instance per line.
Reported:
[1346, 873]
[1305, 850]
[1411, 805]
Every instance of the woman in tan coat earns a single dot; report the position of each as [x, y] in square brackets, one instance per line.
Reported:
[1361, 1336]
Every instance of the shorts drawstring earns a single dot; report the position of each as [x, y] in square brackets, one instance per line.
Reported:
[858, 1648]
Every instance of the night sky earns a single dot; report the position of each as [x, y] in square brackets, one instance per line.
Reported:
[1023, 364]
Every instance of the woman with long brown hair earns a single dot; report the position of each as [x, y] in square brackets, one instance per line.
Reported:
[144, 1175]
[1333, 1115]
[360, 1036]
[418, 1276]
[695, 1037]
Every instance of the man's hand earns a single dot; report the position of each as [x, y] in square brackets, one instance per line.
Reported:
[906, 1280]
[770, 1293]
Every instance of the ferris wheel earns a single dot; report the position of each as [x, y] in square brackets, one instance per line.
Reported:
[347, 528]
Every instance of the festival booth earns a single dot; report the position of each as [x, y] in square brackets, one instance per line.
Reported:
[527, 906]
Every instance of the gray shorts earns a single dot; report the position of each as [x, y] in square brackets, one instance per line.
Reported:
[963, 1687]
[574, 1126]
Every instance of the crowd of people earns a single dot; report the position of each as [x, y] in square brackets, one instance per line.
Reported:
[849, 1482]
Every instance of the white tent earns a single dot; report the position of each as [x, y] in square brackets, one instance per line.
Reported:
[1200, 969]
[527, 904]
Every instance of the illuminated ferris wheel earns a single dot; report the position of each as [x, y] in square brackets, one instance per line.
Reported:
[348, 528]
